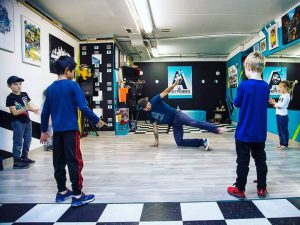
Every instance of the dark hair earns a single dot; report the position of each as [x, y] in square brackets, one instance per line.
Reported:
[290, 85]
[64, 62]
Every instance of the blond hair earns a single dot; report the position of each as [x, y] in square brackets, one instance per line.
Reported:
[289, 85]
[255, 61]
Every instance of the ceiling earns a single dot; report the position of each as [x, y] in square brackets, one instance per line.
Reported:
[198, 28]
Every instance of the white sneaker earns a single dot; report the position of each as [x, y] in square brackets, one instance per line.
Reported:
[206, 144]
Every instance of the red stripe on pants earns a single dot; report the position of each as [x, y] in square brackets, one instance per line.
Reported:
[79, 160]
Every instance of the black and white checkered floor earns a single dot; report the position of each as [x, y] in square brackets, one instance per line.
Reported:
[147, 128]
[249, 212]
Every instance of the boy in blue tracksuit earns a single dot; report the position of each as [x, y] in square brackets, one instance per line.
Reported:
[251, 131]
[63, 98]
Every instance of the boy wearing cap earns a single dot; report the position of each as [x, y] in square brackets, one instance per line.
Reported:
[19, 105]
[63, 97]
[161, 112]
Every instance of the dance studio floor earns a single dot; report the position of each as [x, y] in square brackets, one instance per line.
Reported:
[138, 184]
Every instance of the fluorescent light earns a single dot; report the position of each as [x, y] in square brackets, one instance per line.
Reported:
[142, 9]
[154, 52]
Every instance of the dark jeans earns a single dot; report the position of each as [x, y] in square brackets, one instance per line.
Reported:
[21, 139]
[283, 131]
[183, 119]
[257, 150]
[66, 151]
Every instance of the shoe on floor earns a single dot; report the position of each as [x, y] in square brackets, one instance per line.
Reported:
[27, 160]
[84, 199]
[19, 164]
[283, 147]
[62, 197]
[206, 144]
[236, 192]
[262, 192]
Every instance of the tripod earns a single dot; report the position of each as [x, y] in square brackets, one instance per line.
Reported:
[88, 127]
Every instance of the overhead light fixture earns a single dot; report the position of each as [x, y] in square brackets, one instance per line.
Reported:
[154, 52]
[143, 11]
[218, 73]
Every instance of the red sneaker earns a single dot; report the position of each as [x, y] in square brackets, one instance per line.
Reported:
[234, 191]
[262, 193]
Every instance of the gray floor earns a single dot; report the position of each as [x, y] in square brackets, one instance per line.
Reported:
[125, 169]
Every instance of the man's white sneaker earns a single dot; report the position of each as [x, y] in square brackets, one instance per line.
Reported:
[206, 144]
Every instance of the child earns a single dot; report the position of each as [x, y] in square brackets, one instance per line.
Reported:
[285, 88]
[19, 105]
[62, 99]
[252, 99]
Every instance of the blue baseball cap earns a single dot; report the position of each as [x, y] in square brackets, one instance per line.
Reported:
[13, 79]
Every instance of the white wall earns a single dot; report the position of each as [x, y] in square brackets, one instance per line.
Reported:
[36, 78]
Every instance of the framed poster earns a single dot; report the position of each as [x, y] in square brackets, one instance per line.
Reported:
[290, 26]
[263, 45]
[273, 76]
[184, 89]
[233, 76]
[7, 32]
[273, 36]
[31, 41]
[256, 47]
[58, 48]
[117, 57]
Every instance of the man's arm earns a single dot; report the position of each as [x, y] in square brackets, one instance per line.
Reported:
[167, 90]
[155, 132]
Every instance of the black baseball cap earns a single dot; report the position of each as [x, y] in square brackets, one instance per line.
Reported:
[13, 79]
[142, 103]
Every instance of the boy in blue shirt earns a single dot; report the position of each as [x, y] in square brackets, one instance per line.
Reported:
[161, 112]
[251, 131]
[63, 97]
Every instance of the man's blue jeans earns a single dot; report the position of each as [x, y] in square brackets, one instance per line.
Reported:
[21, 138]
[183, 119]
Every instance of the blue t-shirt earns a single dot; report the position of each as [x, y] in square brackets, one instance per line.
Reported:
[252, 99]
[63, 98]
[160, 111]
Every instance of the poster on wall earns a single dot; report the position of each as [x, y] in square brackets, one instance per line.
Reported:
[233, 76]
[263, 45]
[291, 26]
[31, 42]
[7, 33]
[97, 59]
[184, 89]
[273, 36]
[256, 48]
[273, 76]
[58, 48]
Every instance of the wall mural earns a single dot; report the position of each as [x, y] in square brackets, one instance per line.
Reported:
[58, 48]
[7, 36]
[31, 42]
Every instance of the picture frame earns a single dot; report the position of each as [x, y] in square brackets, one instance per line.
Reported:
[57, 48]
[7, 34]
[273, 36]
[290, 27]
[256, 47]
[117, 58]
[31, 41]
[263, 45]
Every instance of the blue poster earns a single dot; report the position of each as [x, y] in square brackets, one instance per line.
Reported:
[184, 89]
[273, 76]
